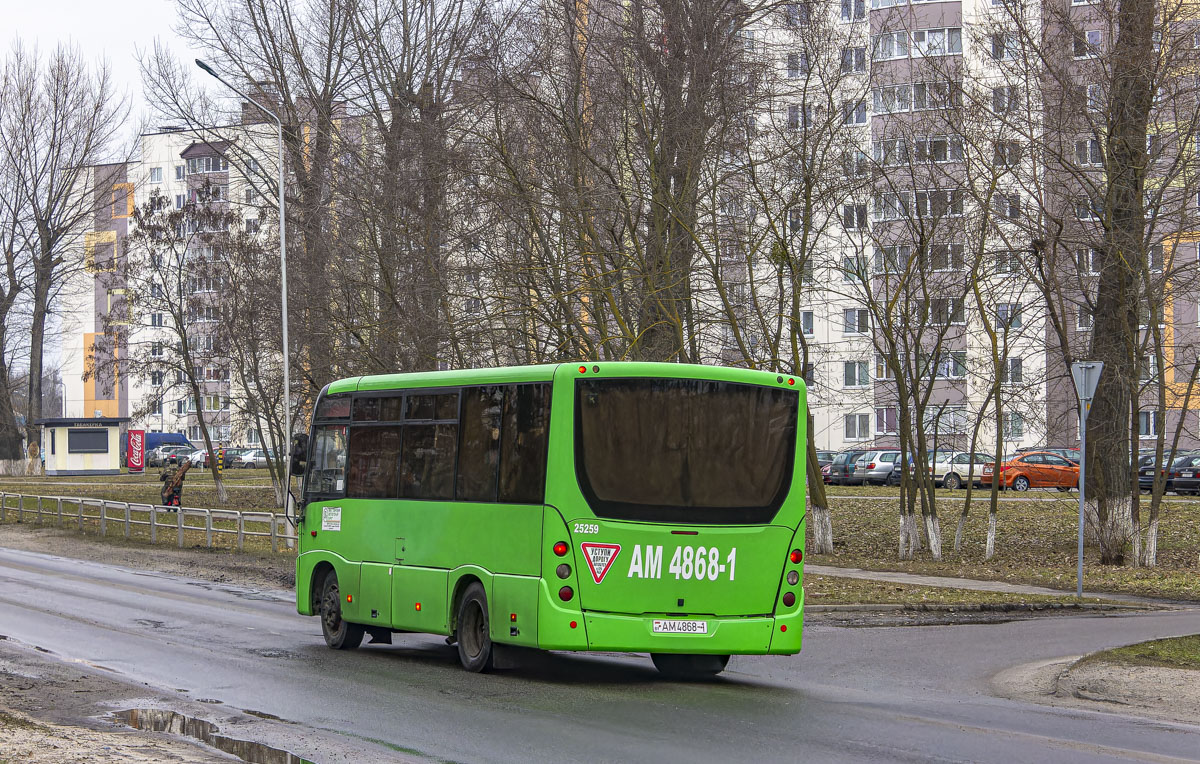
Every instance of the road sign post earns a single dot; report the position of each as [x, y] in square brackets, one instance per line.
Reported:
[1086, 375]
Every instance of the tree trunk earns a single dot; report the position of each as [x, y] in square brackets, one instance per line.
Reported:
[10, 434]
[820, 524]
[43, 275]
[991, 534]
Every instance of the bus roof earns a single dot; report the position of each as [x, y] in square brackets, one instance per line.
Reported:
[545, 372]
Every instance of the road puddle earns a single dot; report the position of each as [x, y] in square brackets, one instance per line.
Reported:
[157, 720]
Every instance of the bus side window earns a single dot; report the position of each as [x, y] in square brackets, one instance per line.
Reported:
[374, 454]
[524, 436]
[479, 449]
[326, 469]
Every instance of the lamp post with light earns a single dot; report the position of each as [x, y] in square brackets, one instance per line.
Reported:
[287, 392]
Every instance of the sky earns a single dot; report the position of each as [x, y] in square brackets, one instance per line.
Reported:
[115, 30]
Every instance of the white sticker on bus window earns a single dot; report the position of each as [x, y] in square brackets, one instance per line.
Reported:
[331, 518]
[339, 485]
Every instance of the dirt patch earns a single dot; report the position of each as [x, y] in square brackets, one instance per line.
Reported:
[1157, 691]
[220, 566]
[47, 716]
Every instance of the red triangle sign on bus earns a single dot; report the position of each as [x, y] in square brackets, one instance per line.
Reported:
[599, 558]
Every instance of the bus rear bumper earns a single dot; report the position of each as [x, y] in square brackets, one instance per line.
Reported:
[744, 635]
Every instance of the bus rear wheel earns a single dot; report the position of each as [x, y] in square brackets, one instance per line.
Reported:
[474, 630]
[339, 634]
[681, 666]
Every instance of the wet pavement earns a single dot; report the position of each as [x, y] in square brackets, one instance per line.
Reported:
[913, 693]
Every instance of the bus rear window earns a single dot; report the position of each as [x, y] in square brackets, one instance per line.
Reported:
[684, 451]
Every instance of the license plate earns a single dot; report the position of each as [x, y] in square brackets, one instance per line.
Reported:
[680, 627]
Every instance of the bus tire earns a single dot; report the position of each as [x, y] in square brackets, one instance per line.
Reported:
[689, 667]
[474, 630]
[339, 634]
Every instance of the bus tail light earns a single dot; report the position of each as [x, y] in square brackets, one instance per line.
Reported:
[566, 593]
[789, 599]
[563, 571]
[793, 578]
[560, 548]
[796, 556]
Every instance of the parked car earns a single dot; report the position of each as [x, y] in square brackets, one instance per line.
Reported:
[877, 467]
[841, 469]
[254, 458]
[1032, 469]
[178, 454]
[231, 457]
[1186, 472]
[953, 470]
[1147, 470]
[825, 457]
[1069, 452]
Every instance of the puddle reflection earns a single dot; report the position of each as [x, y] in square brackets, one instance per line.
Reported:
[156, 720]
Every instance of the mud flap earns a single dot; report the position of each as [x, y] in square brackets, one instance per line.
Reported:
[510, 656]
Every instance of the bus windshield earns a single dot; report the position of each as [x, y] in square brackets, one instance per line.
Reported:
[683, 450]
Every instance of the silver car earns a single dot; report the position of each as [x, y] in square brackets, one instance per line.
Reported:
[877, 467]
[255, 458]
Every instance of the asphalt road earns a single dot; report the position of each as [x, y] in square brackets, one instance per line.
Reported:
[853, 694]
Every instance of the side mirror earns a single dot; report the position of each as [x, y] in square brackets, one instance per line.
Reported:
[299, 454]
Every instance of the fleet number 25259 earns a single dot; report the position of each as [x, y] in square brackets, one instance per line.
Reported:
[697, 563]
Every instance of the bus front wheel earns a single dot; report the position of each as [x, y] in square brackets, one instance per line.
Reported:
[339, 634]
[474, 630]
[676, 666]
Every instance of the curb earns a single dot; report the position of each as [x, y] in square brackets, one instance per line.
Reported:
[1001, 607]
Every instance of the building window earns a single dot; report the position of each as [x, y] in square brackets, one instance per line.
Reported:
[1095, 98]
[854, 60]
[1148, 368]
[854, 10]
[947, 310]
[892, 152]
[857, 426]
[1088, 209]
[1014, 426]
[1004, 99]
[890, 45]
[937, 42]
[939, 203]
[156, 175]
[853, 269]
[794, 119]
[1008, 261]
[797, 64]
[951, 365]
[946, 257]
[806, 322]
[938, 148]
[1004, 47]
[1154, 258]
[854, 113]
[1012, 372]
[1087, 261]
[936, 95]
[251, 225]
[854, 216]
[1084, 318]
[156, 349]
[156, 378]
[156, 319]
[199, 165]
[797, 13]
[1088, 153]
[1006, 205]
[855, 164]
[892, 99]
[883, 369]
[1149, 423]
[886, 420]
[856, 321]
[893, 259]
[1008, 315]
[856, 374]
[179, 172]
[1087, 44]
[155, 407]
[1006, 154]
[893, 206]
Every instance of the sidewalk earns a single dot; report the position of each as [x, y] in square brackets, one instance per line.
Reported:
[950, 582]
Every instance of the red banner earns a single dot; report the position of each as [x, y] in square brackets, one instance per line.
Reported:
[136, 452]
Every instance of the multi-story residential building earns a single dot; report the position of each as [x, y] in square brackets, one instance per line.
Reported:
[151, 297]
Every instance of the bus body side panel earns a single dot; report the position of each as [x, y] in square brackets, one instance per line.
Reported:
[375, 593]
[419, 599]
[513, 608]
[501, 538]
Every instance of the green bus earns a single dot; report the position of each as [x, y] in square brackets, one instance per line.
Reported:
[617, 506]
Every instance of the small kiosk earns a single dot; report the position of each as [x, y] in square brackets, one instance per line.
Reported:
[82, 446]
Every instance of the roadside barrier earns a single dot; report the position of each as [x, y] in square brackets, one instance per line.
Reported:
[84, 511]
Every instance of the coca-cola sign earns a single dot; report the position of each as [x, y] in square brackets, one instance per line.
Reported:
[136, 453]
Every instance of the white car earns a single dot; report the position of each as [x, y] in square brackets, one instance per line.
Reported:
[255, 458]
[953, 469]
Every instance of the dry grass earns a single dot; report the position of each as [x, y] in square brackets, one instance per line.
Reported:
[1176, 652]
[1035, 543]
[834, 590]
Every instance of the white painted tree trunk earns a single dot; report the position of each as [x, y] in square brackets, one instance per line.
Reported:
[1115, 532]
[933, 529]
[821, 527]
[910, 536]
[1150, 554]
[991, 537]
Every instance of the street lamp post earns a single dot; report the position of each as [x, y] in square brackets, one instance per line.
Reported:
[287, 391]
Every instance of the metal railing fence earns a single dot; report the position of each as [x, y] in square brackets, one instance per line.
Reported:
[214, 523]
